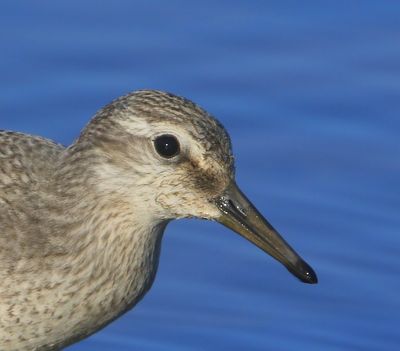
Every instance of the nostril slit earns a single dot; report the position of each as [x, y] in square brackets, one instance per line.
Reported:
[237, 208]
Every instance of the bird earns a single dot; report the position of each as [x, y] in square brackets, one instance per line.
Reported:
[81, 225]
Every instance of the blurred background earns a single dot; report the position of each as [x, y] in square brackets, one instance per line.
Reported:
[310, 93]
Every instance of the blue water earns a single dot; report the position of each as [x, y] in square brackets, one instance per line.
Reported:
[310, 93]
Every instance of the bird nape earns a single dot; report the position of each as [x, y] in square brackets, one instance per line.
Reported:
[81, 226]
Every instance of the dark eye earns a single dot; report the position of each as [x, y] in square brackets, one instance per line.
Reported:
[167, 145]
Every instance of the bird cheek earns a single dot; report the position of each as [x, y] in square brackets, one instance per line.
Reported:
[189, 204]
[173, 206]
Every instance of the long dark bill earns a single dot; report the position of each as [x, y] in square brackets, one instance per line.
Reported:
[239, 214]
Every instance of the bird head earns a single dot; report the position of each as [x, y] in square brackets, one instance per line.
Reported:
[171, 159]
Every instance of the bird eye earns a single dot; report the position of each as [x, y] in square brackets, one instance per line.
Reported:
[167, 145]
